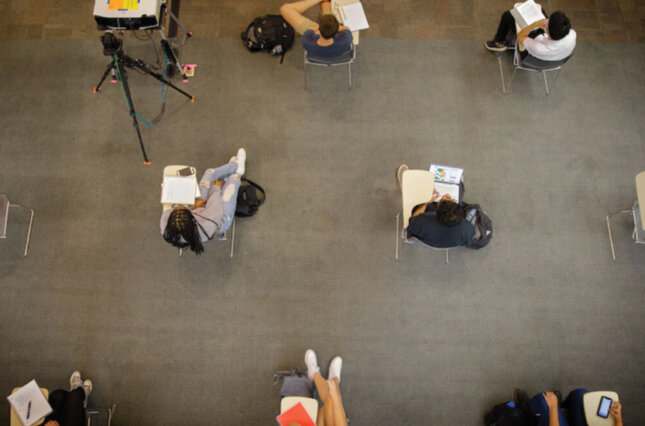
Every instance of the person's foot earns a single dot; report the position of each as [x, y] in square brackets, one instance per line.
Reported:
[75, 380]
[312, 363]
[335, 366]
[87, 387]
[399, 173]
[496, 46]
[240, 159]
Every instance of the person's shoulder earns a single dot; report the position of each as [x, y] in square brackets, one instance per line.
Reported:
[343, 35]
[309, 35]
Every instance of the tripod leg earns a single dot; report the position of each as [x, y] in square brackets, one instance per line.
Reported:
[142, 67]
[107, 70]
[165, 44]
[133, 113]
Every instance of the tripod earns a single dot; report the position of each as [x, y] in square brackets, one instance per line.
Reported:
[121, 61]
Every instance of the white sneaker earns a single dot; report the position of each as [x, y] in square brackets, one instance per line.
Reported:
[312, 363]
[75, 380]
[240, 159]
[87, 387]
[335, 366]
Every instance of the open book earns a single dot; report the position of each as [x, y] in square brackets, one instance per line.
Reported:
[527, 13]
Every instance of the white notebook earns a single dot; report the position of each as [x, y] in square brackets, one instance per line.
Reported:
[353, 16]
[179, 190]
[527, 13]
[29, 403]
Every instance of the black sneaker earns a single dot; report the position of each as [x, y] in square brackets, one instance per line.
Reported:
[496, 46]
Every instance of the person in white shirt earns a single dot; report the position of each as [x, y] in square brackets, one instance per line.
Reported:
[550, 39]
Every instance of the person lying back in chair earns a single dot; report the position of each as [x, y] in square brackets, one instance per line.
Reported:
[213, 212]
[325, 39]
[550, 39]
[443, 224]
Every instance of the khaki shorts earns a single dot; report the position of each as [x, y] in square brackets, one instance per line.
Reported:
[306, 24]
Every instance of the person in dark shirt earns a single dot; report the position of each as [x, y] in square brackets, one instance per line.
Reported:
[325, 39]
[443, 224]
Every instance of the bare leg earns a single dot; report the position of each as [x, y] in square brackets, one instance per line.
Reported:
[325, 8]
[332, 411]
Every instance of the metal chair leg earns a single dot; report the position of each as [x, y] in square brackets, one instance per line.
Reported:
[396, 250]
[232, 238]
[611, 240]
[31, 221]
[349, 71]
[447, 260]
[501, 72]
[546, 83]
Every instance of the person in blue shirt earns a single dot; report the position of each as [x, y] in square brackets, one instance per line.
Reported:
[325, 39]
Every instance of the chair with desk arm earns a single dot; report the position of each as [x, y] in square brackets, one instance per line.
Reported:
[417, 186]
[638, 215]
[5, 207]
[172, 171]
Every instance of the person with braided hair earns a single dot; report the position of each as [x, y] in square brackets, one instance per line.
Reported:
[213, 212]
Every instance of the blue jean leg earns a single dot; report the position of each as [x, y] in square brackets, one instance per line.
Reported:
[573, 403]
[537, 406]
[210, 175]
[229, 200]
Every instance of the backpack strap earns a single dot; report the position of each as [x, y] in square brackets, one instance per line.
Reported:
[217, 228]
[258, 187]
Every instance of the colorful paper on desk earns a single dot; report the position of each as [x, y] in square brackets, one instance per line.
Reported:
[446, 174]
[123, 4]
[179, 190]
[29, 400]
[527, 13]
[296, 414]
[353, 16]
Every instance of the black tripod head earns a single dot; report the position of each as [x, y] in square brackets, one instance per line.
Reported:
[111, 44]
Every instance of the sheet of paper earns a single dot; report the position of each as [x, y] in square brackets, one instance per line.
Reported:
[527, 13]
[179, 190]
[446, 173]
[123, 5]
[447, 188]
[353, 16]
[29, 403]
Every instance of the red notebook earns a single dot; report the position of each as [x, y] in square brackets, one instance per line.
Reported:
[296, 414]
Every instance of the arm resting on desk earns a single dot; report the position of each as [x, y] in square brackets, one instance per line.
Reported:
[523, 35]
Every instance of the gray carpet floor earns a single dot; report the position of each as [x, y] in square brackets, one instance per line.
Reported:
[194, 340]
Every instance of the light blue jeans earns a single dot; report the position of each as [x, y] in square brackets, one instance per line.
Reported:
[228, 192]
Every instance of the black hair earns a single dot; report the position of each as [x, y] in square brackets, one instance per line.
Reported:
[182, 225]
[449, 213]
[328, 26]
[559, 25]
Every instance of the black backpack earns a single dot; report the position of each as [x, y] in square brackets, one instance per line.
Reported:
[507, 414]
[249, 198]
[484, 224]
[269, 32]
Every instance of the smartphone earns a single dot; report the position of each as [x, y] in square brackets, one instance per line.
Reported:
[604, 406]
[186, 171]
